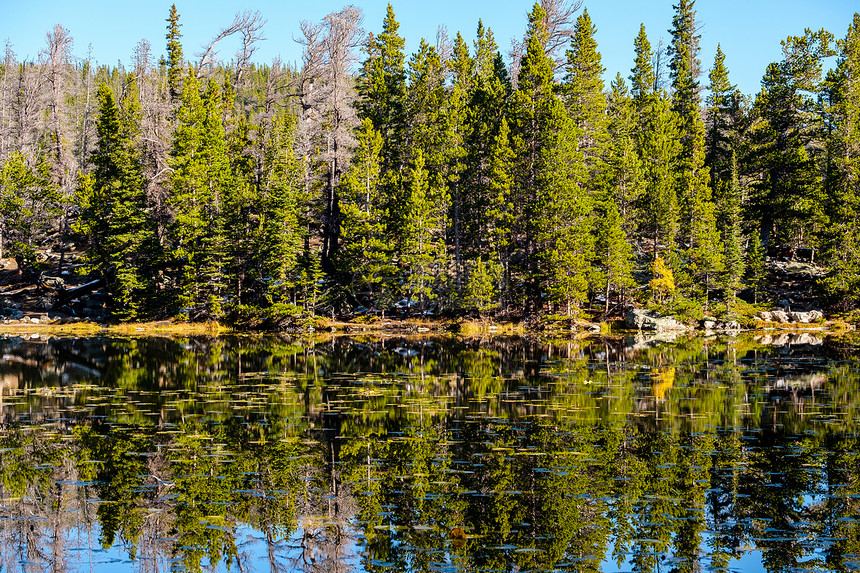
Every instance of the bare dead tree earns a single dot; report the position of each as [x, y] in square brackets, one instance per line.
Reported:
[326, 94]
[156, 117]
[249, 25]
[559, 22]
[251, 34]
[7, 99]
[444, 45]
[56, 59]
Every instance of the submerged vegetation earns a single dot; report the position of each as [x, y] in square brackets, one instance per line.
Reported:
[451, 182]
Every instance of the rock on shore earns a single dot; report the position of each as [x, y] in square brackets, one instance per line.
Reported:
[642, 319]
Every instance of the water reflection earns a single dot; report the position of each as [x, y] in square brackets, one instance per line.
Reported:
[428, 455]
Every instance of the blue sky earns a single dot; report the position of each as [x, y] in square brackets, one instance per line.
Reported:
[748, 30]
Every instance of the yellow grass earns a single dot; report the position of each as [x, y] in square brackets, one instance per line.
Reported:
[163, 328]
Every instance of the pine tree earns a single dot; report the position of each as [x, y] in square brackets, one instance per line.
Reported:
[613, 253]
[277, 237]
[200, 182]
[175, 60]
[583, 93]
[643, 79]
[756, 268]
[624, 169]
[381, 86]
[113, 215]
[842, 236]
[500, 213]
[480, 292]
[724, 117]
[29, 204]
[694, 192]
[553, 223]
[785, 137]
[367, 253]
[684, 64]
[659, 147]
[423, 252]
[705, 255]
[732, 236]
[485, 110]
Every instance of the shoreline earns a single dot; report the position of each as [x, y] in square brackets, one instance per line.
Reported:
[464, 328]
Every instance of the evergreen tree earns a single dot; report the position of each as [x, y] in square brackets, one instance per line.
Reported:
[277, 237]
[175, 60]
[381, 86]
[200, 182]
[29, 205]
[461, 65]
[659, 145]
[554, 222]
[613, 253]
[423, 252]
[731, 234]
[842, 236]
[485, 110]
[583, 93]
[367, 254]
[113, 211]
[501, 214]
[624, 168]
[705, 255]
[694, 193]
[724, 117]
[481, 286]
[683, 52]
[785, 137]
[643, 78]
[756, 268]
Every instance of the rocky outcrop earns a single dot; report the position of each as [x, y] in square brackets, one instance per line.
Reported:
[642, 319]
[786, 317]
[710, 323]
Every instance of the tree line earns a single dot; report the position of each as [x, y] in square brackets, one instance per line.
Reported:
[457, 180]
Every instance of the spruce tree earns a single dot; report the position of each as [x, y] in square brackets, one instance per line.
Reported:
[642, 79]
[786, 135]
[731, 234]
[723, 125]
[841, 237]
[583, 93]
[381, 86]
[624, 169]
[367, 254]
[175, 60]
[113, 211]
[200, 182]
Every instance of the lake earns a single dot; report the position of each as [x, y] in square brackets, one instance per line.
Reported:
[429, 454]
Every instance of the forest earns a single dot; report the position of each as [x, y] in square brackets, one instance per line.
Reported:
[455, 181]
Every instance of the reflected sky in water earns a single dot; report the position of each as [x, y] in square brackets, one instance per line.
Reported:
[429, 454]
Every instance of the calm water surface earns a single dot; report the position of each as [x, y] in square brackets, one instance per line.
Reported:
[429, 454]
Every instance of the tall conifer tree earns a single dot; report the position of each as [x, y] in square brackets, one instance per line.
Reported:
[842, 236]
[113, 217]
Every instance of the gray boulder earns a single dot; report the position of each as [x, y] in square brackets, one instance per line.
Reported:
[642, 319]
[781, 316]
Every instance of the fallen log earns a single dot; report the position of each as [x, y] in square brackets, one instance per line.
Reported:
[66, 295]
